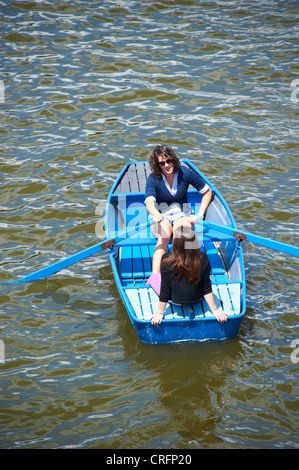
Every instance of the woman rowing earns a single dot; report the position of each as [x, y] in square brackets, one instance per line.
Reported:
[166, 200]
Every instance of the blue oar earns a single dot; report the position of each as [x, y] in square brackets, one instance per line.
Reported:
[65, 263]
[241, 235]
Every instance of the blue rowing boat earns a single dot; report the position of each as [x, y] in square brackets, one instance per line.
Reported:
[131, 261]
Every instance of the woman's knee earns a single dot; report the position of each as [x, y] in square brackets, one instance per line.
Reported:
[164, 230]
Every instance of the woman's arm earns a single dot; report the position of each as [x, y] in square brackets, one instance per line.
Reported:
[150, 198]
[151, 208]
[206, 199]
[197, 182]
[165, 294]
[158, 316]
[219, 314]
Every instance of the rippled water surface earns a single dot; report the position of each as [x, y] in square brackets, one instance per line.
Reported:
[87, 86]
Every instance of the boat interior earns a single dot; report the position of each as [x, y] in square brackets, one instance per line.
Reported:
[133, 256]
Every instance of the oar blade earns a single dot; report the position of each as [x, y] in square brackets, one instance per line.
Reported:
[60, 265]
[274, 245]
[266, 242]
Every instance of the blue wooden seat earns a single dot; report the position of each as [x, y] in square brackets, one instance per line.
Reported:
[145, 301]
[135, 259]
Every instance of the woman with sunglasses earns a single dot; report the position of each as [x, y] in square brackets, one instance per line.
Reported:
[166, 200]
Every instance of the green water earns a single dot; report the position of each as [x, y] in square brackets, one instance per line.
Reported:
[87, 87]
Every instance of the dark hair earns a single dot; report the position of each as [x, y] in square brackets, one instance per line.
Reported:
[164, 151]
[185, 258]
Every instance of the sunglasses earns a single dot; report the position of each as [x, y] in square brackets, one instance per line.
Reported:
[168, 161]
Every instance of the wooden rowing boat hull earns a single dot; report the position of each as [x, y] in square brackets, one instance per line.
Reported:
[131, 265]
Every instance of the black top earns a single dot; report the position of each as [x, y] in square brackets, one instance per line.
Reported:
[182, 292]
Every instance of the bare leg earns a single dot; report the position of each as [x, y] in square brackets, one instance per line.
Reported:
[163, 236]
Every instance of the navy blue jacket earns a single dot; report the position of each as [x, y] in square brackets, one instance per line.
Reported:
[157, 188]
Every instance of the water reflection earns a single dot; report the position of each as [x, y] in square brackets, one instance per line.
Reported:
[87, 89]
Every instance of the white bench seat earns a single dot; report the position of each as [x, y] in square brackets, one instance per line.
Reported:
[144, 301]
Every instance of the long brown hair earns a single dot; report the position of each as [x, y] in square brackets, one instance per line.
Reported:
[185, 258]
[163, 151]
